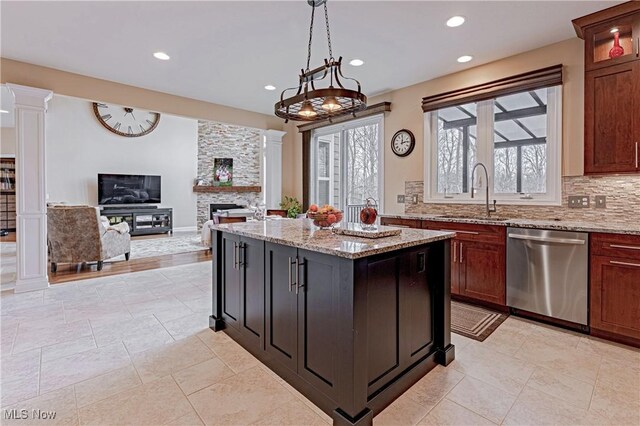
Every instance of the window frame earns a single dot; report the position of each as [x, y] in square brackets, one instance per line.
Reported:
[342, 128]
[485, 155]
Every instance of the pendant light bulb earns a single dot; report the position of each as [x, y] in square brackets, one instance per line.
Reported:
[331, 104]
[307, 110]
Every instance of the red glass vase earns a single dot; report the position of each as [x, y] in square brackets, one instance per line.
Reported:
[616, 50]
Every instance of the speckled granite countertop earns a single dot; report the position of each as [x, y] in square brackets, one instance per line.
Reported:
[632, 228]
[300, 233]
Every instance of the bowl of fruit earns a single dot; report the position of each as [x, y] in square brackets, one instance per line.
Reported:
[325, 216]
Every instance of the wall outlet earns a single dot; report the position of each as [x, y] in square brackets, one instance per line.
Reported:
[601, 201]
[578, 201]
[400, 199]
[414, 199]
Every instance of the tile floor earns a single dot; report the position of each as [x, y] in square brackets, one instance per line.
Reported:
[136, 349]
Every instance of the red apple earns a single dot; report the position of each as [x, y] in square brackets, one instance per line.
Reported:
[313, 208]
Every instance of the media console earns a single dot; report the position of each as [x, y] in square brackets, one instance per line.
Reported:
[141, 220]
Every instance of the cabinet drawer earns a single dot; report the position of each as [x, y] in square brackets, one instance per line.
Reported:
[470, 231]
[402, 223]
[616, 245]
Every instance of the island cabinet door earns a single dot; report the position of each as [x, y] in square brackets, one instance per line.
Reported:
[318, 286]
[281, 305]
[252, 290]
[230, 279]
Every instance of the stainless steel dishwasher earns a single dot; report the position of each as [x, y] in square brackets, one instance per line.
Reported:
[547, 273]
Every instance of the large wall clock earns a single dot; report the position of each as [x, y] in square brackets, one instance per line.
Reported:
[403, 142]
[125, 121]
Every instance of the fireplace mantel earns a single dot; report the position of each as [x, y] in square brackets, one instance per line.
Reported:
[207, 188]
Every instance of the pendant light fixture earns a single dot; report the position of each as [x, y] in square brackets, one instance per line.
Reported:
[313, 104]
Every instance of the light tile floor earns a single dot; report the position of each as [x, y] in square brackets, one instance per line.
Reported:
[136, 349]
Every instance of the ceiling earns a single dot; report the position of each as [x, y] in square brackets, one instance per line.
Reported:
[226, 51]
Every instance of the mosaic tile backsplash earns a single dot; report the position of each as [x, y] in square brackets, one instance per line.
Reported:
[622, 192]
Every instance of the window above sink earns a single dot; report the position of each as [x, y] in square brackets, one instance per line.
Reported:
[516, 134]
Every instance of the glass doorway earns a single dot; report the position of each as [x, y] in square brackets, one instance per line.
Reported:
[346, 165]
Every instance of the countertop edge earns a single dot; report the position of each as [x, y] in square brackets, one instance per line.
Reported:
[442, 235]
[568, 225]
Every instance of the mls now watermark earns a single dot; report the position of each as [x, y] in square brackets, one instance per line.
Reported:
[25, 414]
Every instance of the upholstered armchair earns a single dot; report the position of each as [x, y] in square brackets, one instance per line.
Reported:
[76, 235]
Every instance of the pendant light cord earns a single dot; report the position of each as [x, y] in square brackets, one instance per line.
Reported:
[326, 19]
[313, 12]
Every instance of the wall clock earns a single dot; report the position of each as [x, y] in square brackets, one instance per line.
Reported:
[125, 121]
[403, 142]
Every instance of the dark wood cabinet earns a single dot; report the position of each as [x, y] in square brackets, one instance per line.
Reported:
[612, 89]
[243, 289]
[615, 287]
[281, 305]
[478, 260]
[612, 119]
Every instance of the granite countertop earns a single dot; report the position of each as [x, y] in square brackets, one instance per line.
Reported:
[302, 234]
[632, 228]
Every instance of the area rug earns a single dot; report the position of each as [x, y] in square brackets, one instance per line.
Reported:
[162, 246]
[474, 322]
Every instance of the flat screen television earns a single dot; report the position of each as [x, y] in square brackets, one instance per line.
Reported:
[128, 189]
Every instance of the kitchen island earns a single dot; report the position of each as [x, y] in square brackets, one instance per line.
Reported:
[350, 322]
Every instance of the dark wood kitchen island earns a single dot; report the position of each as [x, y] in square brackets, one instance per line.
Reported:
[350, 322]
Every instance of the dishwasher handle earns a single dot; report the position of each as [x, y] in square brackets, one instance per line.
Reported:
[548, 239]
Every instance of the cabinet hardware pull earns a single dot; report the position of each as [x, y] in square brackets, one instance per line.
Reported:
[636, 155]
[461, 232]
[455, 252]
[241, 254]
[295, 282]
[638, 48]
[624, 247]
[461, 254]
[400, 226]
[298, 265]
[290, 281]
[615, 262]
[235, 256]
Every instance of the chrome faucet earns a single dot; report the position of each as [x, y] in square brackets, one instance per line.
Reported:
[486, 175]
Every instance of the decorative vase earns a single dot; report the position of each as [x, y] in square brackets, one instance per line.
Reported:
[616, 50]
[369, 213]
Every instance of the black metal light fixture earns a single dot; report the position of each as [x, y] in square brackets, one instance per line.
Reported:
[313, 104]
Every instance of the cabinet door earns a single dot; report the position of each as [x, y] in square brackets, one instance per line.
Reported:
[252, 289]
[612, 102]
[231, 280]
[600, 39]
[318, 309]
[281, 304]
[615, 292]
[482, 271]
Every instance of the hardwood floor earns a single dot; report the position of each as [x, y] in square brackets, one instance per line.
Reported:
[73, 272]
[11, 238]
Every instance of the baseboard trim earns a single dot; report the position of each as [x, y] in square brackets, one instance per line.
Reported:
[23, 286]
[186, 229]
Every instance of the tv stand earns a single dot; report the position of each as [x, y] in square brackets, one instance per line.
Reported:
[142, 220]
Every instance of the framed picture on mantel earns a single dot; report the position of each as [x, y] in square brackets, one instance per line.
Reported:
[223, 172]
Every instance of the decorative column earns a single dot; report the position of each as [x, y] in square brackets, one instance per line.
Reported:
[272, 180]
[31, 192]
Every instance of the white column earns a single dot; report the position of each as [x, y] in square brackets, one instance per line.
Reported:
[273, 168]
[31, 190]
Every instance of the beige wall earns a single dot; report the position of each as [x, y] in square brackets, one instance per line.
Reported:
[7, 140]
[406, 112]
[80, 86]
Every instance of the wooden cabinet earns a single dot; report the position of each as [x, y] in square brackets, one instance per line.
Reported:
[612, 89]
[243, 289]
[615, 287]
[612, 119]
[478, 260]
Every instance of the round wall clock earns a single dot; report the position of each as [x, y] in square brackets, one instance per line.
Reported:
[125, 121]
[403, 142]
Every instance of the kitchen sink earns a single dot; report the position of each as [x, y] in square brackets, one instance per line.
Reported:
[498, 219]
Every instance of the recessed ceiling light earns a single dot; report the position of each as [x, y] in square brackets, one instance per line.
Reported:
[4, 111]
[614, 30]
[455, 21]
[356, 62]
[270, 87]
[465, 58]
[162, 56]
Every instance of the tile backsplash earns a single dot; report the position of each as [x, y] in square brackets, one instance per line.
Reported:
[622, 192]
